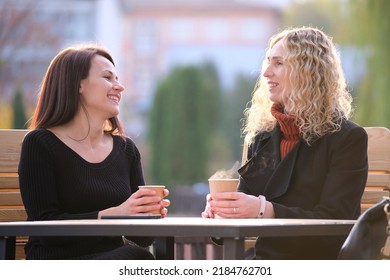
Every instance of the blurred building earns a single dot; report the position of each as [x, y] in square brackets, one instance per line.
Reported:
[159, 35]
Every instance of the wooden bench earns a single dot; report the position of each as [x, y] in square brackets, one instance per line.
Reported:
[11, 205]
[378, 181]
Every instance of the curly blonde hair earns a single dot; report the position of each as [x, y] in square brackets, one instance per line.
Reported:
[319, 99]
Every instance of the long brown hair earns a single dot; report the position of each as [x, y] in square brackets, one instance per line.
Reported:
[59, 98]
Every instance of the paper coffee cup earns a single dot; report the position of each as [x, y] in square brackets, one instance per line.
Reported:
[223, 185]
[159, 190]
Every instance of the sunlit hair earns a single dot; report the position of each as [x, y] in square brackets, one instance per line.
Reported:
[59, 96]
[319, 99]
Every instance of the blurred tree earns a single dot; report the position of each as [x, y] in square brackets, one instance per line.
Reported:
[326, 15]
[370, 26]
[182, 123]
[19, 112]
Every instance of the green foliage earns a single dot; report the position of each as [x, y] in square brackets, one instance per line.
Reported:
[326, 15]
[371, 25]
[184, 115]
[19, 111]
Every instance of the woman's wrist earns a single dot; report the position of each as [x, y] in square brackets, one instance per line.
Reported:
[106, 212]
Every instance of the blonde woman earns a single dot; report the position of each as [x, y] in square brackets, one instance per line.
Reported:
[305, 159]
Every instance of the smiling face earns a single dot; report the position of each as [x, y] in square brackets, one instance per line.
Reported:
[277, 74]
[101, 92]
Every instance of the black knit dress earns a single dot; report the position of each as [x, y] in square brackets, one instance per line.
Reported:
[58, 184]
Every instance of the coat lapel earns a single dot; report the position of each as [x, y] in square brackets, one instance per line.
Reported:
[264, 173]
[279, 181]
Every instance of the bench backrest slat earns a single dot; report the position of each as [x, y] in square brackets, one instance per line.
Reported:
[378, 181]
[10, 143]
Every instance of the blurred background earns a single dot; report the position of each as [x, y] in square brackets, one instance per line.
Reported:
[189, 68]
